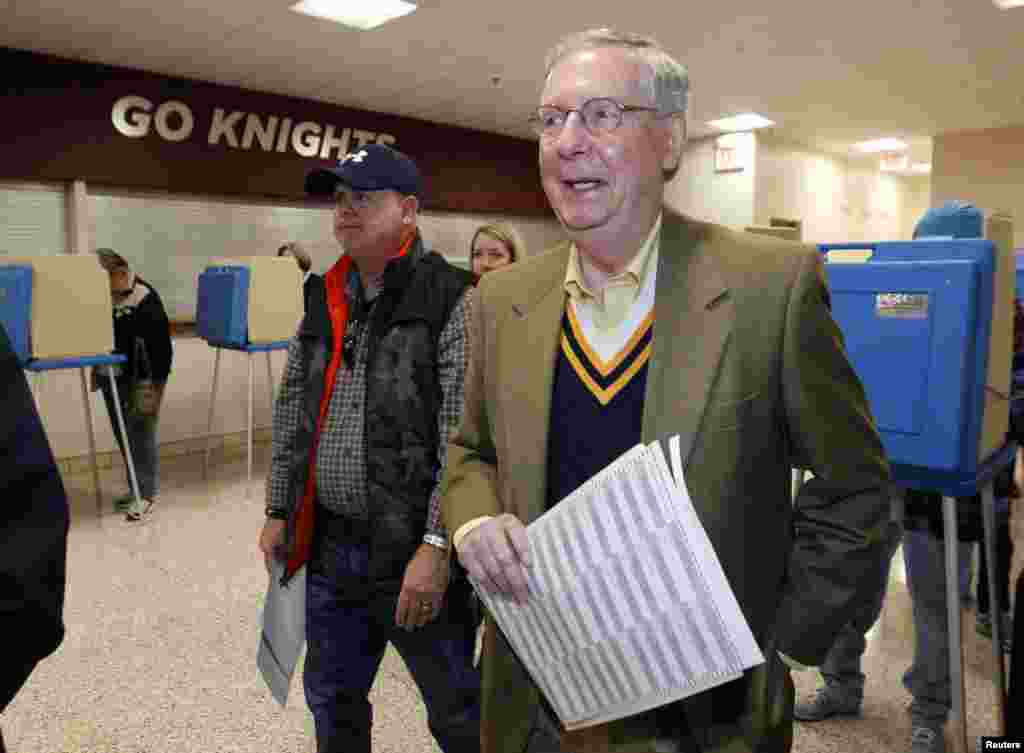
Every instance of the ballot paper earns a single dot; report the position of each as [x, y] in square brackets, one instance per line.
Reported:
[629, 608]
[284, 630]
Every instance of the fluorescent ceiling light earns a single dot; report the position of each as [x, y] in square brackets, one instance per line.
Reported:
[905, 167]
[881, 145]
[1007, 4]
[748, 121]
[359, 14]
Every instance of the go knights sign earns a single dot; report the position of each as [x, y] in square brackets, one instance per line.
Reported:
[71, 120]
[174, 121]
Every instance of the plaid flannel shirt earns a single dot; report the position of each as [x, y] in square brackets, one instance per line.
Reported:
[341, 455]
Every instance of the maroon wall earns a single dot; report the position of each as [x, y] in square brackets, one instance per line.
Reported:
[60, 123]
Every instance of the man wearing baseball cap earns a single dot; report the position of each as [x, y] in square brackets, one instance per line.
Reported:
[371, 390]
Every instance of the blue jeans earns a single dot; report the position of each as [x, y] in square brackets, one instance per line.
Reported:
[141, 439]
[348, 628]
[928, 678]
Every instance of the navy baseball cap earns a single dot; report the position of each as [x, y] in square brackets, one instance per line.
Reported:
[375, 167]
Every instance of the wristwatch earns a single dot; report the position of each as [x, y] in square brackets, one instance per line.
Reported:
[276, 513]
[434, 540]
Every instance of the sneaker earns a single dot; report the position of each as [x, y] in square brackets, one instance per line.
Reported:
[829, 701]
[927, 738]
[141, 511]
[123, 503]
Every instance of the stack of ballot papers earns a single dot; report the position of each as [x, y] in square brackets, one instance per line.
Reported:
[629, 608]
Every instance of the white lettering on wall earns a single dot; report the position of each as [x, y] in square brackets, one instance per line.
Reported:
[331, 142]
[282, 135]
[303, 146]
[254, 128]
[164, 125]
[224, 126]
[362, 138]
[131, 116]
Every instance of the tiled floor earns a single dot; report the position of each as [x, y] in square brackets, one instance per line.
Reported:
[163, 627]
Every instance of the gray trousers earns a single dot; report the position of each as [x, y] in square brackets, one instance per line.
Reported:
[842, 666]
[928, 679]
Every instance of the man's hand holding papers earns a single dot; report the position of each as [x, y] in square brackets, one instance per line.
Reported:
[496, 555]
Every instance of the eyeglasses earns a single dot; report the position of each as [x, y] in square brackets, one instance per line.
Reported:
[358, 201]
[600, 116]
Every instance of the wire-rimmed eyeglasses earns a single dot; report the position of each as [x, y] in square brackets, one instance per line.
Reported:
[600, 115]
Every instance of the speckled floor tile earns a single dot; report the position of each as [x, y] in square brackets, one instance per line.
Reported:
[163, 618]
[162, 629]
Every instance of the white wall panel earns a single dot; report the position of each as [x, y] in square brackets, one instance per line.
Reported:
[33, 219]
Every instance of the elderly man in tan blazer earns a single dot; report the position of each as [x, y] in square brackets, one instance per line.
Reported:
[644, 325]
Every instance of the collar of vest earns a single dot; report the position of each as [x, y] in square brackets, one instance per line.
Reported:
[317, 322]
[398, 271]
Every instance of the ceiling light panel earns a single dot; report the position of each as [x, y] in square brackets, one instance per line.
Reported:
[359, 14]
[881, 145]
[747, 121]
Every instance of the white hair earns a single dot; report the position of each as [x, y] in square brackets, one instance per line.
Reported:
[669, 82]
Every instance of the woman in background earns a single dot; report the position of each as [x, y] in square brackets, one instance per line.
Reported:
[142, 333]
[494, 246]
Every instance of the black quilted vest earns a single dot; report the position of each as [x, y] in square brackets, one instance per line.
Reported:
[403, 398]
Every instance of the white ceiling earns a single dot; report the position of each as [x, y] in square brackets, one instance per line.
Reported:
[828, 72]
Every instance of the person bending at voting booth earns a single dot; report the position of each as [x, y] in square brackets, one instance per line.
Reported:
[371, 390]
[927, 679]
[721, 338]
[494, 246]
[33, 533]
[142, 333]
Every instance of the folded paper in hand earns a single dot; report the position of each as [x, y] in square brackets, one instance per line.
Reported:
[284, 630]
[629, 608]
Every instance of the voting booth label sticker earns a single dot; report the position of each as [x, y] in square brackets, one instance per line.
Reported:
[902, 305]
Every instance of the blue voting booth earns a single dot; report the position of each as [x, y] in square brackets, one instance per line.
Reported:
[16, 307]
[222, 312]
[916, 318]
[222, 319]
[1019, 276]
[16, 299]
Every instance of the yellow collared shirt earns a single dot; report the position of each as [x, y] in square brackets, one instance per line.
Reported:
[610, 305]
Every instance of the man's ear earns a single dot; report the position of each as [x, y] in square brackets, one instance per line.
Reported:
[410, 209]
[676, 136]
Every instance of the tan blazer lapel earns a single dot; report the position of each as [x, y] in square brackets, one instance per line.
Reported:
[693, 316]
[529, 349]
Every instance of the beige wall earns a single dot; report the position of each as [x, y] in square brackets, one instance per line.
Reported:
[918, 198]
[838, 200]
[985, 168]
[724, 198]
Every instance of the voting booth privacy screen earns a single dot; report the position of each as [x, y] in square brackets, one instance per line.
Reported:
[923, 324]
[16, 307]
[249, 300]
[56, 306]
